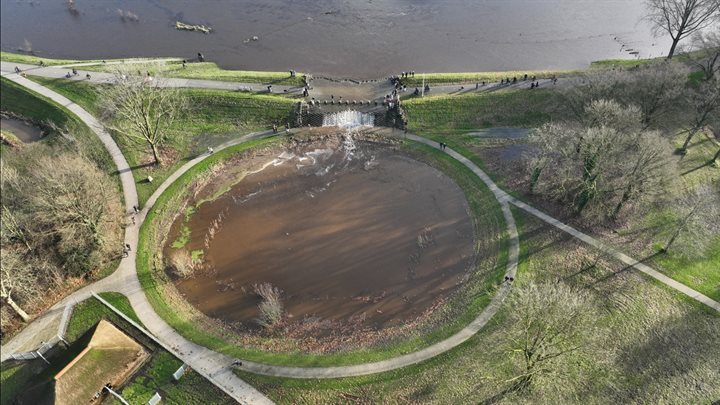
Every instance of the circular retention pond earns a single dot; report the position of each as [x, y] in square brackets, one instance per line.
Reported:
[353, 232]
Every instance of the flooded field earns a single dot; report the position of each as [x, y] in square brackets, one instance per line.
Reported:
[339, 38]
[24, 131]
[351, 233]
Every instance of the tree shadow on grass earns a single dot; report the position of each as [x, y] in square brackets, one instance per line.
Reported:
[676, 356]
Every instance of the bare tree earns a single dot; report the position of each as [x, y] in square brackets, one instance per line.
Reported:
[704, 53]
[16, 278]
[695, 228]
[655, 89]
[681, 18]
[68, 199]
[549, 321]
[602, 163]
[141, 109]
[704, 103]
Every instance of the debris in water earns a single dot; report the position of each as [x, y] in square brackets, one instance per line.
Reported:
[191, 27]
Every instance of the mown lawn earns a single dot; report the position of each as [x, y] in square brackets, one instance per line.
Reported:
[213, 117]
[631, 353]
[210, 71]
[505, 108]
[484, 208]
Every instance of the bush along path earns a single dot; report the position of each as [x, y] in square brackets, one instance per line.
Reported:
[218, 366]
[213, 366]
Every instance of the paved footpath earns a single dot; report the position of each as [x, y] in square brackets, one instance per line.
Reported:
[214, 366]
[322, 89]
[217, 366]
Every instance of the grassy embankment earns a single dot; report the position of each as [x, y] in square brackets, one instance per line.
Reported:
[631, 354]
[211, 71]
[214, 116]
[437, 79]
[485, 210]
[450, 119]
[174, 68]
[155, 376]
[44, 112]
[35, 60]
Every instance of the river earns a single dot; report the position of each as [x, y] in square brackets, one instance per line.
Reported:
[339, 38]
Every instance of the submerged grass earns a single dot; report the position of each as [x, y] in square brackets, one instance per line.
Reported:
[642, 332]
[482, 204]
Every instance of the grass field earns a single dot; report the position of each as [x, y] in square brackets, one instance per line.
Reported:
[214, 116]
[647, 345]
[485, 209]
[155, 376]
[210, 71]
[506, 108]
[193, 70]
[34, 60]
[435, 79]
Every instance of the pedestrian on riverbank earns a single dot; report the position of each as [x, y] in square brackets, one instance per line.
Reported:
[269, 87]
[17, 69]
[287, 127]
[274, 128]
[201, 57]
[87, 76]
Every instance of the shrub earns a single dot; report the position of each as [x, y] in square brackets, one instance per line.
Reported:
[271, 308]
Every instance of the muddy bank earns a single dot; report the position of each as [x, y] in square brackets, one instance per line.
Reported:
[355, 234]
[23, 130]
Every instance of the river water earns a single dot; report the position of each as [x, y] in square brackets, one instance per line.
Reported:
[339, 38]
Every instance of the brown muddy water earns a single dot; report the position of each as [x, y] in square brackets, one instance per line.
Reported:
[360, 234]
[24, 131]
[341, 38]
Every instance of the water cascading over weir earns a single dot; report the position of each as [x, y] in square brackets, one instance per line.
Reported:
[348, 119]
[348, 115]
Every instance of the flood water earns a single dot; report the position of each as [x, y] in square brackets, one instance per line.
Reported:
[24, 131]
[363, 234]
[340, 38]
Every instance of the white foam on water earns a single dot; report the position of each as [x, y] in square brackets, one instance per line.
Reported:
[349, 119]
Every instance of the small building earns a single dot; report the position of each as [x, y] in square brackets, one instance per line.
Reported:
[110, 357]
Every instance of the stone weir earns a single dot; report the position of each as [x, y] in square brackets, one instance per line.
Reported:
[348, 113]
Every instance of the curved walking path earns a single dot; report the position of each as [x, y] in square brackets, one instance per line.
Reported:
[211, 365]
[321, 89]
[217, 366]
